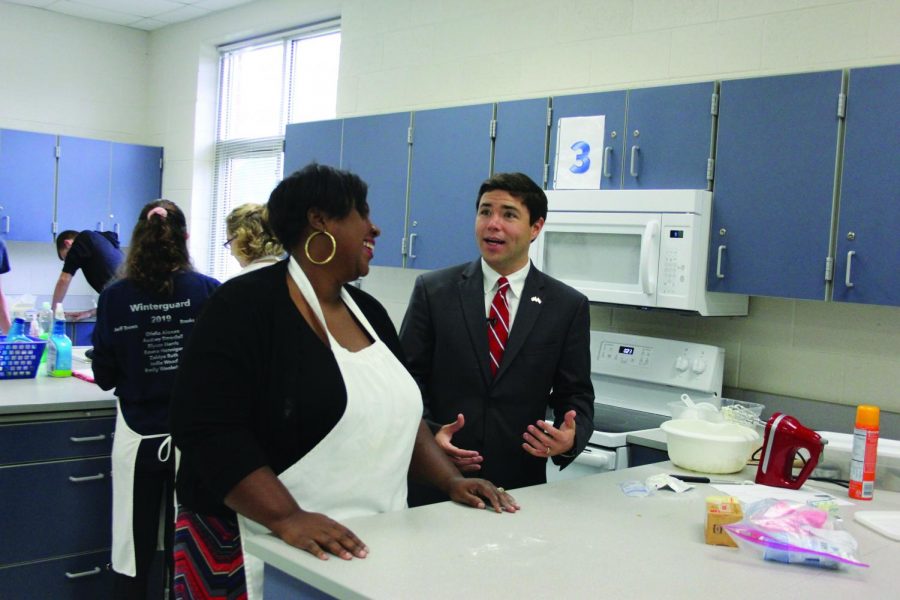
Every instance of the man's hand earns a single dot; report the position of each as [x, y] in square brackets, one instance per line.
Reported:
[544, 440]
[466, 461]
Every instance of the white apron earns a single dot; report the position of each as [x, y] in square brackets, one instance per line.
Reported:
[126, 442]
[360, 467]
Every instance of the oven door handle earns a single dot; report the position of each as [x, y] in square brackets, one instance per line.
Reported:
[597, 458]
[647, 270]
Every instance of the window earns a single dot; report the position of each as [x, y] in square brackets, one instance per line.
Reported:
[263, 85]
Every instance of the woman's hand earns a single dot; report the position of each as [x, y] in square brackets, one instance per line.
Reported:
[475, 491]
[316, 533]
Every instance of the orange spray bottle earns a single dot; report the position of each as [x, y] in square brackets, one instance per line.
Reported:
[865, 452]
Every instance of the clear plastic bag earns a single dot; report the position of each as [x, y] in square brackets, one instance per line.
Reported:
[792, 532]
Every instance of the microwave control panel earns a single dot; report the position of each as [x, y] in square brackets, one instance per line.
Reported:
[675, 260]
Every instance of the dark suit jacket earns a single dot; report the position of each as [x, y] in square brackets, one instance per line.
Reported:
[546, 363]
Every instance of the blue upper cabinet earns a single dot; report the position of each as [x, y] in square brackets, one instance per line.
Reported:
[318, 141]
[668, 140]
[27, 180]
[612, 106]
[451, 157]
[135, 180]
[774, 185]
[520, 138]
[82, 197]
[868, 246]
[377, 149]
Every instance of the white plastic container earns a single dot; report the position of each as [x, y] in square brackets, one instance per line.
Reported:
[707, 447]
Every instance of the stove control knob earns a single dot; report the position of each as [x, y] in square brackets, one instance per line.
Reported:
[699, 366]
[681, 364]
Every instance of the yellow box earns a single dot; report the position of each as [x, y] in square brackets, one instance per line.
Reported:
[720, 511]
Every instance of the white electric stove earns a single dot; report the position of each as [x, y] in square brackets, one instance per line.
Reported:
[635, 377]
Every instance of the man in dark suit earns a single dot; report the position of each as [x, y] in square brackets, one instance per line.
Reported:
[494, 343]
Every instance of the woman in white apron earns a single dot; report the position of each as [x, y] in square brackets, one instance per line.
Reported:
[143, 322]
[306, 415]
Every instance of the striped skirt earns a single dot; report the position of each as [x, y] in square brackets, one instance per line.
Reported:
[209, 563]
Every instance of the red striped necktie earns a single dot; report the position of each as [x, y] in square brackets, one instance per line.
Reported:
[498, 325]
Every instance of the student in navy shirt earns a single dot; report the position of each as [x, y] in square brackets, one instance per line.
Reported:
[143, 322]
[4, 268]
[96, 253]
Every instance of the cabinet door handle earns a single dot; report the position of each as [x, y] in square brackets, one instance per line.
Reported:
[7, 221]
[607, 152]
[96, 477]
[412, 242]
[634, 160]
[719, 254]
[90, 438]
[847, 281]
[94, 571]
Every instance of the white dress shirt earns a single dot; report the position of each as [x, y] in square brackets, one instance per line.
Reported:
[513, 294]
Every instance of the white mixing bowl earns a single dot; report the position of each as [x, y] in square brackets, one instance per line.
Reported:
[709, 447]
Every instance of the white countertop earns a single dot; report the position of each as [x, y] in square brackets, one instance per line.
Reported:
[579, 538]
[53, 394]
[651, 438]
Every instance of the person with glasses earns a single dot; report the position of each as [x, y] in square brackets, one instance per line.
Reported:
[250, 239]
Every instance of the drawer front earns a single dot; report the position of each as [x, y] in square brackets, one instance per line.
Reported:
[70, 578]
[51, 440]
[51, 509]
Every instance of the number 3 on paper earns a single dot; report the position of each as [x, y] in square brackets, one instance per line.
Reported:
[576, 169]
[582, 160]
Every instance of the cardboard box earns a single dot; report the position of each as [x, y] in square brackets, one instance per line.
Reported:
[720, 511]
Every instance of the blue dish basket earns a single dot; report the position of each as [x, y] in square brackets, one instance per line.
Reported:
[20, 360]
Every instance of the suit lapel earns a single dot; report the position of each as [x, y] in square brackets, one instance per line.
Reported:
[526, 317]
[471, 298]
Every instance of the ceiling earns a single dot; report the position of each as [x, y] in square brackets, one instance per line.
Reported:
[139, 14]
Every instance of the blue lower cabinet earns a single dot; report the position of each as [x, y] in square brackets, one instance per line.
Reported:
[80, 332]
[55, 509]
[278, 585]
[73, 577]
[53, 440]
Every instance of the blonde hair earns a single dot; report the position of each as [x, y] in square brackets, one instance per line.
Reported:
[253, 239]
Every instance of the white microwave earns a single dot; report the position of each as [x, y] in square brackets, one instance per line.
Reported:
[647, 248]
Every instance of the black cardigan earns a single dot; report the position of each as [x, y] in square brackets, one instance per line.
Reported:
[256, 386]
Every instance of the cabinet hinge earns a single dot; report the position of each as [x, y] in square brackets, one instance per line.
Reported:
[409, 135]
[161, 161]
[549, 116]
[493, 129]
[283, 146]
[829, 268]
[714, 105]
[842, 105]
[546, 175]
[58, 151]
[710, 168]
[403, 246]
[54, 228]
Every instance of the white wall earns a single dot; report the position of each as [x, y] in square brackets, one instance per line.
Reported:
[69, 76]
[411, 54]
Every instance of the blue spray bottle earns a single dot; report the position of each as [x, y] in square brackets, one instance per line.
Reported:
[59, 347]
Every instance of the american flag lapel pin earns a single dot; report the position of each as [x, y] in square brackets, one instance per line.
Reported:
[535, 299]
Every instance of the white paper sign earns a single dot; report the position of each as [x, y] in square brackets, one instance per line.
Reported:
[579, 153]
